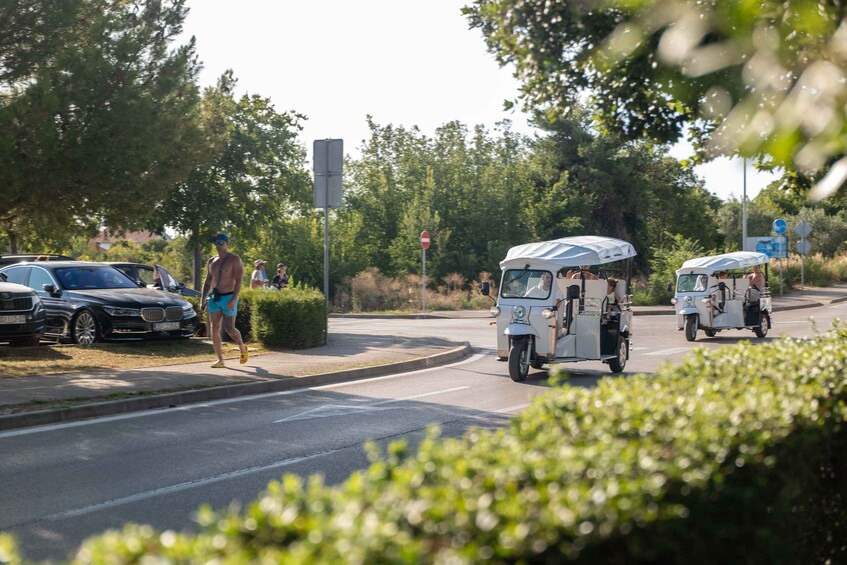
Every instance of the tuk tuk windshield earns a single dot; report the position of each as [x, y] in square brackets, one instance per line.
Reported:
[692, 283]
[526, 283]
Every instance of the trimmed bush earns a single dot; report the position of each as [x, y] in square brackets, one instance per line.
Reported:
[293, 317]
[737, 456]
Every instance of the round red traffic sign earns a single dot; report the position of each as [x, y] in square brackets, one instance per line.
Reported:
[425, 239]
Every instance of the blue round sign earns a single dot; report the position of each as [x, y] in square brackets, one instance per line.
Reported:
[779, 226]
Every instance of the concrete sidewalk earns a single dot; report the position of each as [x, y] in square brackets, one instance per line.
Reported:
[46, 399]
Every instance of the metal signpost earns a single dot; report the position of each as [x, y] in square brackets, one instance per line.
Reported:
[803, 229]
[778, 227]
[328, 161]
[424, 247]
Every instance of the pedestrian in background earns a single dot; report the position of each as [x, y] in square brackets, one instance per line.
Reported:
[259, 278]
[280, 279]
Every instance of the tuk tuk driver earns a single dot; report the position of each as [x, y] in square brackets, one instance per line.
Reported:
[542, 289]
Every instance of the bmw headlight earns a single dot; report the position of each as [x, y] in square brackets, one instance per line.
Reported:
[187, 309]
[124, 312]
[519, 312]
[688, 301]
[494, 311]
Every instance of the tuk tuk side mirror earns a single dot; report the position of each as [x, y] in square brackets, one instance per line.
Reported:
[669, 287]
[485, 288]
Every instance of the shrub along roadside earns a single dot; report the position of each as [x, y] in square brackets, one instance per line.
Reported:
[738, 455]
[293, 318]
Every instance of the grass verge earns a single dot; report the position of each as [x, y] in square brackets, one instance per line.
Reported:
[15, 362]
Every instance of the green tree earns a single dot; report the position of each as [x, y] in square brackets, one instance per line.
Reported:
[755, 78]
[97, 116]
[254, 173]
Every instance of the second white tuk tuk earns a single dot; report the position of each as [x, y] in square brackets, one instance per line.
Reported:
[564, 300]
[722, 292]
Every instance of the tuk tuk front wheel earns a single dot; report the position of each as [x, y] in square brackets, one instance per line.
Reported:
[519, 360]
[691, 328]
[710, 332]
[619, 362]
[764, 324]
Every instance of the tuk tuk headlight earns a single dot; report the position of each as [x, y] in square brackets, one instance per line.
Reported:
[519, 312]
[705, 300]
[674, 300]
[688, 301]
[548, 313]
[494, 311]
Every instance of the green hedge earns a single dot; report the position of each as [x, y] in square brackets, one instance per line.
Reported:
[292, 317]
[737, 456]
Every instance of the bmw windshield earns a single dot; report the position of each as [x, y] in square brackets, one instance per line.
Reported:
[92, 278]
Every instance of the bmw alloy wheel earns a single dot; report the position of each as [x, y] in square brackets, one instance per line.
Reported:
[85, 328]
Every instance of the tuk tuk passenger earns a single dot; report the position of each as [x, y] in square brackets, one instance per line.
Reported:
[612, 300]
[582, 273]
[756, 278]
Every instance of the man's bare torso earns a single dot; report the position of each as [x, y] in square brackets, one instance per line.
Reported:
[223, 271]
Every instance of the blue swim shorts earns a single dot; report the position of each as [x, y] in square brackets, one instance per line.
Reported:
[220, 304]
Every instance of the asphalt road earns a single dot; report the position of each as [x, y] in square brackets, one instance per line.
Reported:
[63, 483]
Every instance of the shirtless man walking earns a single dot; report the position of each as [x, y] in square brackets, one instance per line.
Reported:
[223, 277]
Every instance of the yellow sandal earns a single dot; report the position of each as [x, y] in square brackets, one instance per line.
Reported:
[218, 365]
[243, 358]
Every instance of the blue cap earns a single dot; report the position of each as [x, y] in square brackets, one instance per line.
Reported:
[220, 237]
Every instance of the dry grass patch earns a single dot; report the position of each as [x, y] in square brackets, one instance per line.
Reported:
[135, 355]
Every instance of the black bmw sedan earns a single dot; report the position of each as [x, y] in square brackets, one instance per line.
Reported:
[88, 302]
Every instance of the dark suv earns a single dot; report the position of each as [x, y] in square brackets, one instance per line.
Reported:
[22, 315]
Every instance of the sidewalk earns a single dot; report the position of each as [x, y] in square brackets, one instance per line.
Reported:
[46, 399]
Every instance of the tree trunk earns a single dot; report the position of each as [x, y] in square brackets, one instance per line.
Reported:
[13, 242]
[198, 261]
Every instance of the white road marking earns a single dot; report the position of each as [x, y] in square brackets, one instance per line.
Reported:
[184, 486]
[199, 405]
[671, 351]
[638, 348]
[330, 410]
[513, 408]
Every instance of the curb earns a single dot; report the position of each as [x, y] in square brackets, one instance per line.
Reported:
[171, 400]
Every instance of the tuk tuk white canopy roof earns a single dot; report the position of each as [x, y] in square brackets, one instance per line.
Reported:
[735, 260]
[568, 252]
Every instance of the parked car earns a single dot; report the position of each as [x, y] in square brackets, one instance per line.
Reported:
[12, 259]
[150, 277]
[87, 302]
[22, 315]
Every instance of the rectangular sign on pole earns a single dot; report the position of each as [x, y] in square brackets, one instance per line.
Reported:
[328, 163]
[775, 247]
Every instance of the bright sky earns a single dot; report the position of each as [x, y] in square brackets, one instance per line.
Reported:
[403, 62]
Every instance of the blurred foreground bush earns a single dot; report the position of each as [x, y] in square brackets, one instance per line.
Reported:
[738, 455]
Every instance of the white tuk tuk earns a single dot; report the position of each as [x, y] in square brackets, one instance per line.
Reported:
[720, 293]
[555, 305]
